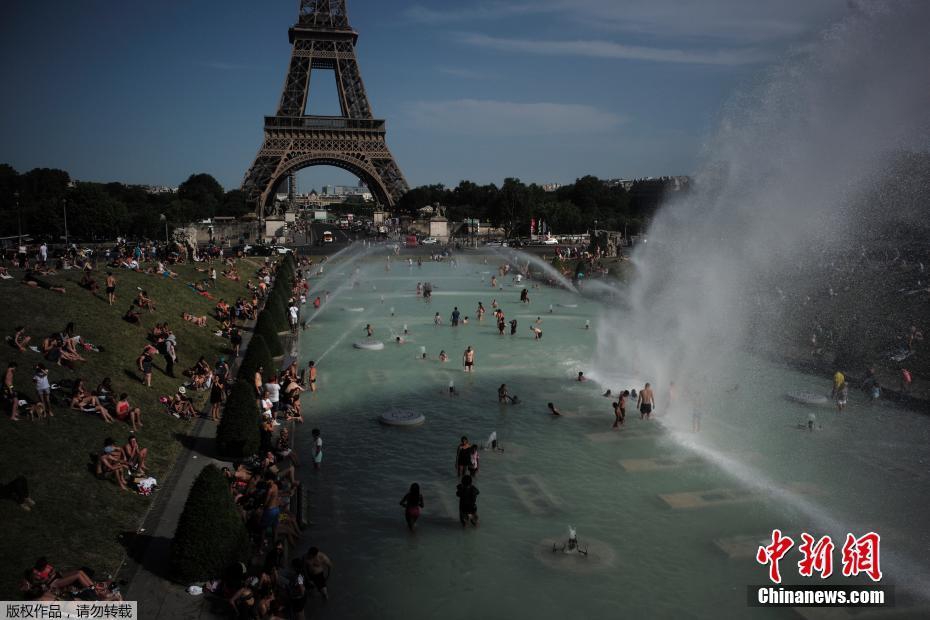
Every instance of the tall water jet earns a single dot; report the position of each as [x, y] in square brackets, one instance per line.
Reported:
[519, 256]
[781, 181]
[782, 187]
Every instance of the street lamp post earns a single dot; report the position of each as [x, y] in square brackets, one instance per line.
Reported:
[19, 217]
[64, 203]
[164, 219]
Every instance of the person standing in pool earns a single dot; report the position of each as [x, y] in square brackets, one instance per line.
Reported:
[621, 405]
[413, 504]
[455, 316]
[480, 311]
[553, 410]
[501, 323]
[369, 331]
[317, 448]
[461, 456]
[468, 501]
[842, 396]
[468, 359]
[513, 327]
[646, 402]
[524, 296]
[311, 375]
[838, 380]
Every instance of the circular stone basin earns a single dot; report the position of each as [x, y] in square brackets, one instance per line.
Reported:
[369, 345]
[808, 398]
[354, 309]
[600, 556]
[402, 418]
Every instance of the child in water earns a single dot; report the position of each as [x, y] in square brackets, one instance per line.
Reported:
[413, 504]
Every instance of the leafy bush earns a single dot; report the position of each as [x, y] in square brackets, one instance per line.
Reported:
[267, 329]
[237, 435]
[211, 534]
[257, 355]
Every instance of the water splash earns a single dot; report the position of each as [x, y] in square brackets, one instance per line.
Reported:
[521, 258]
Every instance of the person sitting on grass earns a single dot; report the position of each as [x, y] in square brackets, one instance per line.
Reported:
[112, 460]
[144, 301]
[20, 339]
[18, 491]
[105, 391]
[181, 406]
[201, 374]
[222, 310]
[127, 413]
[88, 282]
[134, 454]
[132, 316]
[199, 321]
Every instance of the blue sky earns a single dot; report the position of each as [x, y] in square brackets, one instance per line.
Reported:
[545, 90]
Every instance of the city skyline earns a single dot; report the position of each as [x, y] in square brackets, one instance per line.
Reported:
[478, 91]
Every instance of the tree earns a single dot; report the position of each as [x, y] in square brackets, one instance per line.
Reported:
[234, 204]
[204, 191]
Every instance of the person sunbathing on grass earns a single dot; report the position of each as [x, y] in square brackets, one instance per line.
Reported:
[44, 578]
[30, 280]
[199, 321]
[82, 400]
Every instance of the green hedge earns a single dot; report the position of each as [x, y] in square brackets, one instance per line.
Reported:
[257, 354]
[267, 328]
[276, 309]
[211, 534]
[237, 435]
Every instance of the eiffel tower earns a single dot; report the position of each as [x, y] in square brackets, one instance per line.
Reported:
[354, 141]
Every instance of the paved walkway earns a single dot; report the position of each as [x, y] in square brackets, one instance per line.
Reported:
[146, 567]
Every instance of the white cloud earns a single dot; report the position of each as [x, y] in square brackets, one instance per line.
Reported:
[726, 20]
[609, 49]
[466, 74]
[507, 118]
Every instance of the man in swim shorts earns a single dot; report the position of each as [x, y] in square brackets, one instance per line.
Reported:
[468, 359]
[646, 402]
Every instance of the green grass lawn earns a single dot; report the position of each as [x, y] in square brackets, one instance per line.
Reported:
[78, 519]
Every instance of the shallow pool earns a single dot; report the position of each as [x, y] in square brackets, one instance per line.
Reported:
[671, 518]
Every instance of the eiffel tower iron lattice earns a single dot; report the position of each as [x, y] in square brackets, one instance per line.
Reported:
[355, 141]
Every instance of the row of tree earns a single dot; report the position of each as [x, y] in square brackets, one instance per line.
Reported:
[36, 203]
[570, 209]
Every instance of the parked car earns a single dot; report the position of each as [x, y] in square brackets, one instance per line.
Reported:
[496, 244]
[327, 236]
[429, 241]
[259, 249]
[280, 249]
[550, 241]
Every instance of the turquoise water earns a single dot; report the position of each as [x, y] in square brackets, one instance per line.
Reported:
[864, 470]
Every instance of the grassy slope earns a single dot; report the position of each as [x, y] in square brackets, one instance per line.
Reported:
[78, 519]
